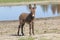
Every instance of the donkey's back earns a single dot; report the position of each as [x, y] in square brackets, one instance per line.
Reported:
[23, 16]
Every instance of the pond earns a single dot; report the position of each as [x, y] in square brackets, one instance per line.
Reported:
[13, 12]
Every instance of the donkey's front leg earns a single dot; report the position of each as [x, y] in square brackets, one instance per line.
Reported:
[30, 29]
[33, 28]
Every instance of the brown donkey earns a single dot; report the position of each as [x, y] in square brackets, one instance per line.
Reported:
[27, 18]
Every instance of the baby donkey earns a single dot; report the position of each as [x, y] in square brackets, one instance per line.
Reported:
[27, 18]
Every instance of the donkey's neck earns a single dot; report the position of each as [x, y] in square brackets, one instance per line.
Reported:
[32, 14]
[29, 18]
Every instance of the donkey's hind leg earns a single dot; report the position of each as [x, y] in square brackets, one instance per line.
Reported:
[18, 30]
[22, 29]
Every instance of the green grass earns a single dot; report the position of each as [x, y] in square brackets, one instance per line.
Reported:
[4, 1]
[27, 38]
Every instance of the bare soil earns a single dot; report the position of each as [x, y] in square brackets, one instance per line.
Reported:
[45, 29]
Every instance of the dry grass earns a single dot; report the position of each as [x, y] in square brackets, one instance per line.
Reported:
[45, 29]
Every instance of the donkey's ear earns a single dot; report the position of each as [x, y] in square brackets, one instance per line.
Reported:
[29, 6]
[34, 5]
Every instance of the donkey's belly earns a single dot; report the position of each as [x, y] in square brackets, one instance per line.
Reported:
[28, 20]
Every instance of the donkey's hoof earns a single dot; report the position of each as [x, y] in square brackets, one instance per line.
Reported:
[17, 34]
[29, 34]
[33, 34]
[22, 34]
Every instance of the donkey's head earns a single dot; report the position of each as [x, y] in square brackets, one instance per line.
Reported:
[32, 9]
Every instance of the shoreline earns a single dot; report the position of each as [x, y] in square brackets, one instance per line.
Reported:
[48, 18]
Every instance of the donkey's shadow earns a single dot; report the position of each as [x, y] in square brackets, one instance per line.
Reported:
[15, 35]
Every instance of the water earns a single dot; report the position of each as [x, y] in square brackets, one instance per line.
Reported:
[13, 12]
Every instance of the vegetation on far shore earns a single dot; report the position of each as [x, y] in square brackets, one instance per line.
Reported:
[5, 1]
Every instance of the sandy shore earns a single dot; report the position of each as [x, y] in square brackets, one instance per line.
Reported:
[48, 29]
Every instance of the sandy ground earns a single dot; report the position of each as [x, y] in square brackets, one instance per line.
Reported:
[45, 29]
